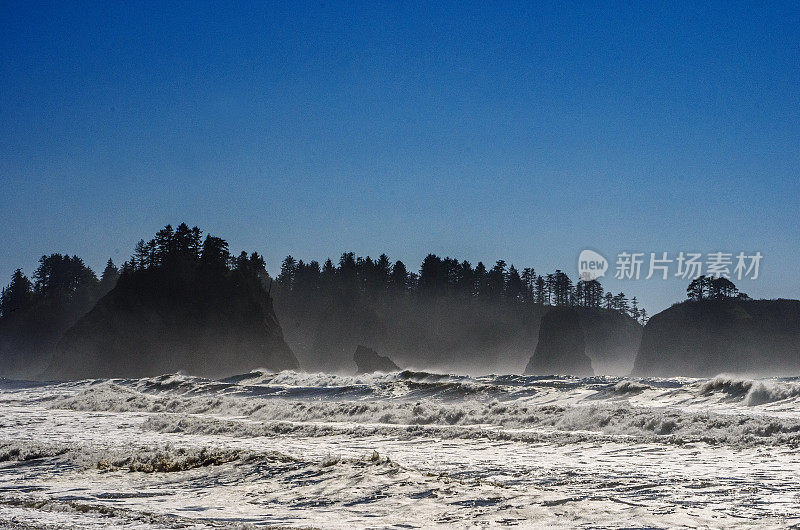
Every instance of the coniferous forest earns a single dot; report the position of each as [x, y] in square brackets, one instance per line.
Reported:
[449, 277]
[448, 314]
[175, 288]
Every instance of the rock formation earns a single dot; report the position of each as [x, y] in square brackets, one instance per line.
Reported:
[155, 322]
[705, 338]
[369, 361]
[561, 348]
[612, 340]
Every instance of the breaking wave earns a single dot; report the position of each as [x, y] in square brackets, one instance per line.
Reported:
[722, 410]
[752, 392]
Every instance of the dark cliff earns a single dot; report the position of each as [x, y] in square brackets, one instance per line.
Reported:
[705, 338]
[612, 340]
[368, 361]
[447, 336]
[561, 348]
[156, 322]
[28, 337]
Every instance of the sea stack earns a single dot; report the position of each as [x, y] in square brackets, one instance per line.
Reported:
[612, 339]
[561, 348]
[156, 321]
[369, 361]
[707, 337]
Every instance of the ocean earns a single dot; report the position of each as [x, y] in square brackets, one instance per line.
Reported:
[400, 450]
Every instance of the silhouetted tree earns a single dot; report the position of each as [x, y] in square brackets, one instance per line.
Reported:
[481, 280]
[432, 275]
[540, 290]
[195, 243]
[348, 275]
[288, 269]
[62, 276]
[594, 293]
[181, 251]
[18, 295]
[141, 256]
[328, 275]
[562, 288]
[373, 275]
[465, 285]
[608, 301]
[109, 277]
[496, 280]
[634, 309]
[620, 303]
[164, 245]
[549, 288]
[529, 284]
[589, 293]
[371, 281]
[215, 255]
[307, 278]
[514, 287]
[721, 287]
[383, 269]
[699, 288]
[257, 266]
[399, 277]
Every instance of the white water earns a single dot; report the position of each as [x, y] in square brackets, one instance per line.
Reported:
[399, 450]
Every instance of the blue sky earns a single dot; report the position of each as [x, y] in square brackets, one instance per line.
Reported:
[525, 131]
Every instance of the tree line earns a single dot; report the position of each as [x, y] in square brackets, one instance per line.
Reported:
[713, 288]
[184, 250]
[62, 280]
[58, 279]
[451, 278]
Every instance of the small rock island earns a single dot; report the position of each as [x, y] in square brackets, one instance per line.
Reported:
[368, 361]
[561, 348]
[179, 305]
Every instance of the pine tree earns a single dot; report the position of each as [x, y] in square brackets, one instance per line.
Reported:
[481, 280]
[62, 277]
[466, 280]
[496, 280]
[699, 288]
[164, 245]
[399, 277]
[608, 301]
[635, 312]
[528, 282]
[383, 269]
[432, 275]
[287, 274]
[562, 288]
[215, 257]
[328, 275]
[514, 285]
[141, 256]
[18, 295]
[109, 277]
[347, 274]
[541, 290]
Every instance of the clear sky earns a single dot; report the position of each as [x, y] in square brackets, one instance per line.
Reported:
[491, 130]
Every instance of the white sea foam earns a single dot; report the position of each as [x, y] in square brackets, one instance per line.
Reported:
[296, 449]
[595, 408]
[752, 392]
